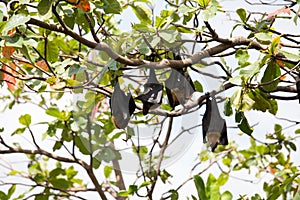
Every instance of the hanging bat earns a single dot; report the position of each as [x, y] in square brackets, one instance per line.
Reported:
[213, 125]
[122, 107]
[152, 95]
[179, 87]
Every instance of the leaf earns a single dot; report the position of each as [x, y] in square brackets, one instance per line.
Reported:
[242, 56]
[297, 131]
[123, 193]
[242, 14]
[132, 189]
[245, 127]
[226, 196]
[107, 171]
[200, 187]
[227, 107]
[168, 35]
[11, 191]
[203, 3]
[7, 51]
[112, 6]
[198, 86]
[60, 115]
[60, 183]
[265, 37]
[44, 6]
[25, 120]
[43, 65]
[271, 73]
[274, 44]
[142, 12]
[10, 80]
[14, 21]
[52, 50]
[174, 194]
[84, 5]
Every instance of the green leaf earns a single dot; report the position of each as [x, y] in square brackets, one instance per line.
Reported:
[168, 35]
[25, 120]
[200, 187]
[271, 73]
[60, 115]
[107, 171]
[203, 3]
[213, 187]
[164, 175]
[142, 12]
[227, 107]
[14, 21]
[265, 37]
[242, 14]
[3, 196]
[141, 150]
[82, 144]
[112, 6]
[60, 183]
[123, 193]
[242, 56]
[245, 127]
[210, 12]
[198, 86]
[143, 28]
[226, 196]
[274, 44]
[222, 179]
[297, 131]
[144, 184]
[19, 131]
[186, 9]
[11, 191]
[243, 123]
[174, 194]
[132, 189]
[57, 145]
[44, 6]
[52, 50]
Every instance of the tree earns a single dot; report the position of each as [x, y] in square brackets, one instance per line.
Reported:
[86, 71]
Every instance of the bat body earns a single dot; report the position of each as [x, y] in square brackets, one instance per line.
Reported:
[122, 107]
[179, 87]
[152, 95]
[213, 125]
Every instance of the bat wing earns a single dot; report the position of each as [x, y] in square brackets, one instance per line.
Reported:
[206, 119]
[224, 138]
[122, 106]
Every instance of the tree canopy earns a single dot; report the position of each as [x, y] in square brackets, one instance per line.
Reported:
[112, 88]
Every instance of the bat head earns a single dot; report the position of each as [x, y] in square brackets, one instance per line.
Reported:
[213, 139]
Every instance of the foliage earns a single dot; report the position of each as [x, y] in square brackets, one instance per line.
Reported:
[65, 58]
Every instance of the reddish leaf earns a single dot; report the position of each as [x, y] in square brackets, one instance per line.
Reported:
[84, 5]
[272, 15]
[10, 80]
[280, 63]
[43, 65]
[7, 51]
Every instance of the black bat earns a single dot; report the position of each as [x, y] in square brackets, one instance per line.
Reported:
[298, 86]
[152, 95]
[213, 125]
[122, 107]
[179, 87]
